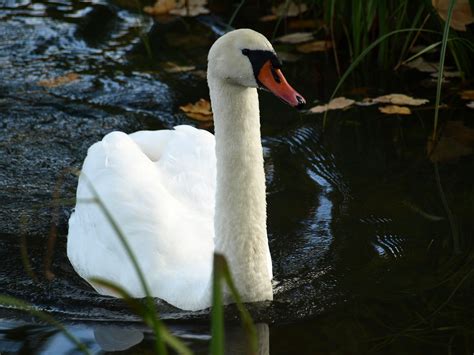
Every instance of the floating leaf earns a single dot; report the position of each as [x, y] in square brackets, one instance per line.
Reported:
[268, 18]
[289, 9]
[470, 104]
[461, 16]
[190, 11]
[467, 94]
[457, 141]
[448, 74]
[171, 67]
[400, 99]
[161, 7]
[315, 46]
[335, 104]
[59, 81]
[395, 110]
[182, 8]
[294, 38]
[422, 65]
[201, 110]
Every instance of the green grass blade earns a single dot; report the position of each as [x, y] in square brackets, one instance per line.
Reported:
[19, 304]
[217, 315]
[280, 18]
[423, 51]
[222, 272]
[232, 18]
[442, 57]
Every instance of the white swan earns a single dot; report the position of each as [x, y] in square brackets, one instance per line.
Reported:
[179, 195]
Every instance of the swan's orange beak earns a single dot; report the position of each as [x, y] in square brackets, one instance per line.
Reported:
[274, 81]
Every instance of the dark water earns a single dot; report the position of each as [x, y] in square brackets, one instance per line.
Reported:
[363, 247]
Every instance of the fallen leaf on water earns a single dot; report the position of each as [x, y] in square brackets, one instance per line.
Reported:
[200, 110]
[315, 46]
[448, 74]
[268, 18]
[470, 104]
[289, 10]
[190, 11]
[171, 67]
[59, 81]
[295, 38]
[457, 141]
[422, 65]
[461, 16]
[400, 99]
[467, 94]
[182, 8]
[161, 7]
[335, 104]
[395, 110]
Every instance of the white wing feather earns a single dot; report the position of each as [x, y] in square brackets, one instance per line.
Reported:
[159, 186]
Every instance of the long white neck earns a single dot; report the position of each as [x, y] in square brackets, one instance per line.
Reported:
[240, 216]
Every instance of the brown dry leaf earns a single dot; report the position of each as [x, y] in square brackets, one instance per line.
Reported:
[201, 110]
[400, 99]
[448, 74]
[457, 141]
[335, 104]
[422, 65]
[190, 11]
[295, 38]
[470, 104]
[59, 81]
[268, 18]
[161, 7]
[182, 8]
[289, 10]
[171, 67]
[395, 110]
[467, 94]
[315, 46]
[462, 14]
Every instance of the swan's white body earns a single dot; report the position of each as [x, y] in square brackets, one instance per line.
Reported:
[181, 195]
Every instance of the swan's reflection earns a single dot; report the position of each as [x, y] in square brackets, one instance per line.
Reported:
[132, 339]
[113, 338]
[236, 340]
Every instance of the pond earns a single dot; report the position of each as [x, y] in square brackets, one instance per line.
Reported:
[370, 237]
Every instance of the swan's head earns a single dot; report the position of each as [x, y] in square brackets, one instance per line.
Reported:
[245, 57]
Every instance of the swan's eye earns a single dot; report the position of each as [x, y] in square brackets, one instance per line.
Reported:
[258, 58]
[275, 75]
